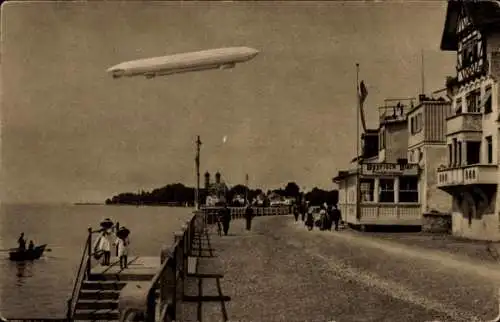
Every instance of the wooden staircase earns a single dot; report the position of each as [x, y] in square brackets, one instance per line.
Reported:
[99, 294]
[98, 300]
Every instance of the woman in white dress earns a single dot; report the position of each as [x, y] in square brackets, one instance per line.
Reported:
[103, 245]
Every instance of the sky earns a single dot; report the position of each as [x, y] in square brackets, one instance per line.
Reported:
[72, 133]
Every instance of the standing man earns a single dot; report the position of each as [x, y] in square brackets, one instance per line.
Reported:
[226, 219]
[303, 210]
[295, 210]
[249, 216]
[336, 214]
[21, 242]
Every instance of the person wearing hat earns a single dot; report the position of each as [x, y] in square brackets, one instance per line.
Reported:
[122, 242]
[103, 245]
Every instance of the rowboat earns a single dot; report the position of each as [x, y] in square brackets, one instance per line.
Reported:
[27, 255]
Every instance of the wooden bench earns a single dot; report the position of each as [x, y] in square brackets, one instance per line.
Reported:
[198, 290]
[201, 246]
[205, 267]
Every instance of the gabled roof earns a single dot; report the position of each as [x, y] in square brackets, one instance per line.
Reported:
[484, 14]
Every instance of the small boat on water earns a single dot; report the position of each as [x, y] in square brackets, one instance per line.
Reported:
[28, 255]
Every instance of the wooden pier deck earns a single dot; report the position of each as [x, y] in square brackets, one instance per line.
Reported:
[139, 268]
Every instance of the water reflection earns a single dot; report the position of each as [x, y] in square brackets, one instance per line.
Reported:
[24, 270]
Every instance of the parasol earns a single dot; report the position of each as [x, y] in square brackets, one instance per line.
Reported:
[123, 232]
[107, 223]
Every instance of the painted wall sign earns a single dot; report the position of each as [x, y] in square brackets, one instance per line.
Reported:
[371, 169]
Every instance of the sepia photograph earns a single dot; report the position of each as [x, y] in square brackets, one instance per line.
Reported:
[250, 161]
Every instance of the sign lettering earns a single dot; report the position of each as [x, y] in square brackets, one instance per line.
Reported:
[389, 169]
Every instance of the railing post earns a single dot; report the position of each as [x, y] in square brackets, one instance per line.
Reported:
[69, 307]
[178, 268]
[117, 227]
[167, 282]
[89, 251]
[187, 237]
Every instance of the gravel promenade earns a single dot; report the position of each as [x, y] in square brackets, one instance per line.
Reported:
[279, 271]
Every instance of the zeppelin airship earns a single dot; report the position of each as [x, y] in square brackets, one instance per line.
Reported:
[221, 58]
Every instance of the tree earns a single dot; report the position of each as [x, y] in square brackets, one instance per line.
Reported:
[292, 190]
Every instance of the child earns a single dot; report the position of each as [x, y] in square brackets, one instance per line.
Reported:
[122, 244]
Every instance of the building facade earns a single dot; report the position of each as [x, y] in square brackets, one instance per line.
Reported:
[382, 188]
[470, 174]
[215, 191]
[427, 148]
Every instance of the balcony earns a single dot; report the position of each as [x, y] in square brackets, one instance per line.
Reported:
[467, 175]
[465, 122]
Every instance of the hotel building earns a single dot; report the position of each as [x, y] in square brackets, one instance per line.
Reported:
[470, 173]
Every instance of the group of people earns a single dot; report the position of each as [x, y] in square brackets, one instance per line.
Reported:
[330, 216]
[107, 239]
[223, 219]
[22, 244]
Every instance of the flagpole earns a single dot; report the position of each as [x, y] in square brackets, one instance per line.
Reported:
[357, 110]
[358, 190]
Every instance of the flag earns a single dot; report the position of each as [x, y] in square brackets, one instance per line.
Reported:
[363, 92]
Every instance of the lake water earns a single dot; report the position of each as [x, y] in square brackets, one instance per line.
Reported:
[41, 288]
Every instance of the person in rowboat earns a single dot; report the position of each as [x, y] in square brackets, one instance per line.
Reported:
[31, 246]
[22, 242]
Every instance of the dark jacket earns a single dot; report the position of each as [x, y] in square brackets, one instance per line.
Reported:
[336, 214]
[226, 215]
[249, 213]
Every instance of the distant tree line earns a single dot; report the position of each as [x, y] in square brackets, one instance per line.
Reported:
[178, 194]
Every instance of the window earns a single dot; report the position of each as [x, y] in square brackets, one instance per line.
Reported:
[416, 123]
[458, 106]
[473, 151]
[367, 187]
[408, 189]
[489, 147]
[386, 190]
[459, 153]
[473, 102]
[450, 154]
[382, 139]
[454, 162]
[487, 100]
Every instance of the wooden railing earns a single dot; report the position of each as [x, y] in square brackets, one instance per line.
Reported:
[169, 280]
[239, 212]
[83, 273]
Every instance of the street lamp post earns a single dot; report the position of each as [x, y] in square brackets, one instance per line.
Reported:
[197, 162]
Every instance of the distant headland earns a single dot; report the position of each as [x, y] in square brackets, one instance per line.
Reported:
[177, 194]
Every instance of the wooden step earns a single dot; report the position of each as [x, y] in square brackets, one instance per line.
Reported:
[103, 285]
[99, 294]
[97, 305]
[97, 315]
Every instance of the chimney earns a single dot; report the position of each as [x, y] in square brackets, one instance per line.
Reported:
[217, 177]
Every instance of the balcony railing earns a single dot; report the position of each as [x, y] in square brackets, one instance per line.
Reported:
[393, 113]
[464, 122]
[471, 174]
